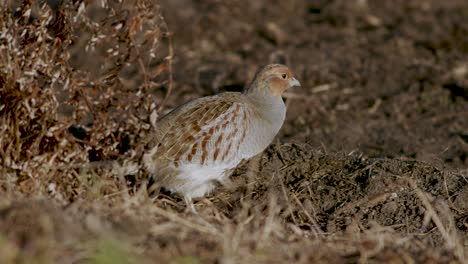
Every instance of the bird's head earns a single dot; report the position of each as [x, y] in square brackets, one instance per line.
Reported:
[272, 79]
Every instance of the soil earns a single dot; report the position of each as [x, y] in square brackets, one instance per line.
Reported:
[371, 165]
[385, 79]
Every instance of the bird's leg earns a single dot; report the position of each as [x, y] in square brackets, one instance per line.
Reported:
[190, 207]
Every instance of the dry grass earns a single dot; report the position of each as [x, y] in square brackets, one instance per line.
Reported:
[83, 82]
[78, 85]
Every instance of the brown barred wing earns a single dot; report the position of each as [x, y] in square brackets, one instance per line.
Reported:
[206, 131]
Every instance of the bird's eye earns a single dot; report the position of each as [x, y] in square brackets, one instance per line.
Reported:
[284, 76]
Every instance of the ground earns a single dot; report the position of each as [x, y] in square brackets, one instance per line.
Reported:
[369, 167]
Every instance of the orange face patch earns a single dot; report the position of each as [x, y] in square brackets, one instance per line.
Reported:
[278, 86]
[279, 80]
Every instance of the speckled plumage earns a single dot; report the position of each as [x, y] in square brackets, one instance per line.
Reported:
[200, 141]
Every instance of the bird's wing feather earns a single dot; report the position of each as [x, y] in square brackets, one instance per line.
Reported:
[184, 130]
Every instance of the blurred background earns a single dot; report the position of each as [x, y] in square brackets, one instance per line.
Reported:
[385, 78]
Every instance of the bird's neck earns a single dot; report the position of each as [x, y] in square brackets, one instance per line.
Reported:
[268, 113]
[261, 93]
[271, 108]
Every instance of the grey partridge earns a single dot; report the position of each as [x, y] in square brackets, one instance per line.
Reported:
[201, 141]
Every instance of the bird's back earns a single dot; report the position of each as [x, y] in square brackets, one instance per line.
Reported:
[204, 132]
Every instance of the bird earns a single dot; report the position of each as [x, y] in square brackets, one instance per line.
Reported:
[199, 143]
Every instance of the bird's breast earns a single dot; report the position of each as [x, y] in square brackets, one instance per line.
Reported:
[261, 132]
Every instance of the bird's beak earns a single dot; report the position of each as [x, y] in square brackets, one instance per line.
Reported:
[293, 82]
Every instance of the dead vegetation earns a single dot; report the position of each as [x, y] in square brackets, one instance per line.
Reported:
[78, 85]
[84, 81]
